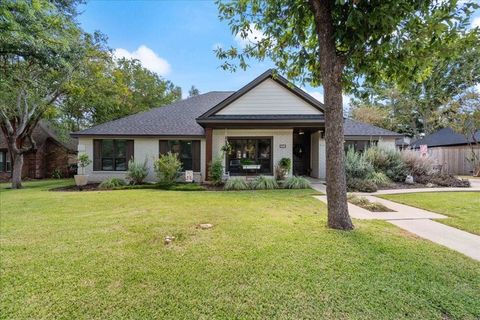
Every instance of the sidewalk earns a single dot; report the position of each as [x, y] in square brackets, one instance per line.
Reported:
[418, 221]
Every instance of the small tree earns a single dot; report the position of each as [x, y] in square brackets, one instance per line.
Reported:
[83, 161]
[167, 168]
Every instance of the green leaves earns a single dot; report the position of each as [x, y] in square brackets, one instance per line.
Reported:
[393, 40]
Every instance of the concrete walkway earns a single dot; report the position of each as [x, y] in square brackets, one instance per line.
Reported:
[418, 221]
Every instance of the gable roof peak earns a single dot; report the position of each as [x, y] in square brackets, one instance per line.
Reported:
[268, 74]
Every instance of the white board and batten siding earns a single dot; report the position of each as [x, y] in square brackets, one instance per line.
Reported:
[269, 98]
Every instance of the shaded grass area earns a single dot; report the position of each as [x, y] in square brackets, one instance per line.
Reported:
[269, 255]
[463, 208]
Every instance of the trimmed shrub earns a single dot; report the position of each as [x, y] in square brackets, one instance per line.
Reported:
[264, 183]
[216, 171]
[112, 183]
[297, 183]
[167, 168]
[236, 184]
[356, 165]
[361, 185]
[387, 161]
[379, 178]
[137, 172]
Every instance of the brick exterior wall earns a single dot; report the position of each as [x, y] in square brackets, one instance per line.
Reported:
[50, 155]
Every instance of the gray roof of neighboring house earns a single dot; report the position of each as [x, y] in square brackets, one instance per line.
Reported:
[177, 118]
[443, 137]
[355, 128]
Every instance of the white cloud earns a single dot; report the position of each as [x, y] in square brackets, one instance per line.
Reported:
[320, 97]
[476, 22]
[317, 95]
[147, 57]
[253, 36]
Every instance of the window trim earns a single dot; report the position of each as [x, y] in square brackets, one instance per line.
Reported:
[272, 146]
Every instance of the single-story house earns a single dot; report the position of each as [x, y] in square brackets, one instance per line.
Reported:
[53, 154]
[450, 150]
[263, 122]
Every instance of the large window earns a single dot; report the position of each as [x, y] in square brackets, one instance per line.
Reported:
[5, 162]
[112, 154]
[250, 155]
[187, 151]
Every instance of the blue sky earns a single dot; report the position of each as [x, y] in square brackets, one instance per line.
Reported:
[175, 39]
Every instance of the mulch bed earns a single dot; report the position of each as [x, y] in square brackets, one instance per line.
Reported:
[74, 188]
[405, 186]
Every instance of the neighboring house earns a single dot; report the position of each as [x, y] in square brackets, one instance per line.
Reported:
[52, 154]
[449, 149]
[265, 121]
[403, 143]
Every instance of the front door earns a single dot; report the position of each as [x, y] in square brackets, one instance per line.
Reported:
[301, 153]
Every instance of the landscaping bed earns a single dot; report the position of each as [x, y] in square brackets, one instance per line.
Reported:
[366, 204]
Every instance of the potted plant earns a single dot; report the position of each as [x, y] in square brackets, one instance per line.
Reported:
[284, 167]
[83, 161]
[227, 148]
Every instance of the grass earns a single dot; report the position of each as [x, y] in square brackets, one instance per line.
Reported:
[463, 208]
[101, 254]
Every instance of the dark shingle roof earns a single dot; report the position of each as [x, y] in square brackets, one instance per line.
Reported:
[443, 137]
[175, 119]
[355, 128]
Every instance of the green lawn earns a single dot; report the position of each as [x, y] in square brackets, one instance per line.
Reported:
[463, 208]
[101, 255]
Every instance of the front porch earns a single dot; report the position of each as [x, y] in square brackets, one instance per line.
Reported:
[253, 152]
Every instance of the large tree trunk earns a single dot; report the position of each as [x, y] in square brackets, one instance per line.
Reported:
[331, 70]
[17, 171]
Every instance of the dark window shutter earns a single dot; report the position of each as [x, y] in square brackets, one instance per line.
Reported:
[196, 155]
[97, 155]
[163, 147]
[130, 151]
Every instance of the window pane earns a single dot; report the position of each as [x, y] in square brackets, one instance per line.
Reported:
[120, 164]
[175, 147]
[264, 149]
[120, 149]
[187, 164]
[107, 148]
[186, 149]
[2, 161]
[107, 164]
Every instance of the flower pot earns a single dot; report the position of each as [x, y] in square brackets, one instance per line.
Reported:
[81, 179]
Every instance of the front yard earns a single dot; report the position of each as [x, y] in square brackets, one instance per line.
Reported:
[101, 254]
[463, 208]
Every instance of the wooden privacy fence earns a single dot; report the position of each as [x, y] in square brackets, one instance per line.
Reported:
[453, 159]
